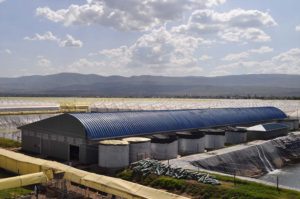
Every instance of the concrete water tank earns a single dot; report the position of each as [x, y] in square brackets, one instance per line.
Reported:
[164, 147]
[214, 138]
[190, 142]
[139, 148]
[113, 154]
[235, 135]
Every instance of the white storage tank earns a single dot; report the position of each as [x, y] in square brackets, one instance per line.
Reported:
[164, 147]
[214, 138]
[190, 142]
[139, 148]
[113, 154]
[235, 135]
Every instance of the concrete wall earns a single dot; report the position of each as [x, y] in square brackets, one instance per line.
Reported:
[255, 135]
[164, 151]
[214, 141]
[191, 146]
[232, 137]
[139, 151]
[113, 156]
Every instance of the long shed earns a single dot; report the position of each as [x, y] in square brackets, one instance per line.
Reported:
[75, 136]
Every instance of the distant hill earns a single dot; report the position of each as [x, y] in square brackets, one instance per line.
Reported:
[71, 84]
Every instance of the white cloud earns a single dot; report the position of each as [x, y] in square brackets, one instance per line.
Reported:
[291, 56]
[86, 66]
[205, 57]
[69, 41]
[161, 49]
[125, 15]
[246, 54]
[1, 1]
[284, 63]
[6, 51]
[43, 62]
[249, 34]
[297, 28]
[235, 25]
[158, 52]
[47, 36]
[235, 57]
[262, 50]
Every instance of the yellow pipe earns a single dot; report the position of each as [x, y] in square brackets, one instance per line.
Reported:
[23, 164]
[23, 180]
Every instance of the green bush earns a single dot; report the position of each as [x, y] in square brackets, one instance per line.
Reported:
[168, 183]
[126, 175]
[7, 143]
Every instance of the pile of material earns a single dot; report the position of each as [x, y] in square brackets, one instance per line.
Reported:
[147, 167]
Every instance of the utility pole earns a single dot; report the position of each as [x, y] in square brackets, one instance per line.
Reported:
[277, 183]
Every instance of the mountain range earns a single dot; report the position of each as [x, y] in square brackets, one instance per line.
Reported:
[72, 84]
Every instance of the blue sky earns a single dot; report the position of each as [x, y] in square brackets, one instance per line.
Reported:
[149, 37]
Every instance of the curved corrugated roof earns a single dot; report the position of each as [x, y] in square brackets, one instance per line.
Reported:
[124, 124]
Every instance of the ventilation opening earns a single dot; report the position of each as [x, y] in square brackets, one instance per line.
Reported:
[74, 153]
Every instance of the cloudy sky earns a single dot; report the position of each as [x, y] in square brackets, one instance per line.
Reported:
[149, 37]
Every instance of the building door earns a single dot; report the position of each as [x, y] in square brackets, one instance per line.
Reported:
[74, 153]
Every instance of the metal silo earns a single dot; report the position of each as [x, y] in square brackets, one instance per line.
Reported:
[164, 147]
[113, 154]
[214, 138]
[235, 135]
[139, 148]
[190, 142]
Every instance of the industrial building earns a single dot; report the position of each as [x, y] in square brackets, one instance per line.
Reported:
[75, 137]
[266, 131]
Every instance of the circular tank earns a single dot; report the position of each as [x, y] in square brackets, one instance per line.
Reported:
[164, 147]
[190, 142]
[139, 148]
[214, 138]
[235, 135]
[113, 154]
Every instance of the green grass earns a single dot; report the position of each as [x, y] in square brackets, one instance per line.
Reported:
[14, 192]
[7, 143]
[227, 190]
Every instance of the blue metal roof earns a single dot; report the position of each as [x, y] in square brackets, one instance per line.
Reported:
[122, 124]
